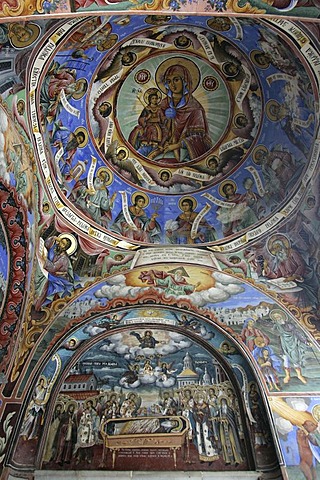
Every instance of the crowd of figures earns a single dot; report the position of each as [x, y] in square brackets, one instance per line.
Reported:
[215, 426]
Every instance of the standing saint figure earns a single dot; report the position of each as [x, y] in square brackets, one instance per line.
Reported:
[60, 281]
[228, 434]
[137, 225]
[184, 222]
[34, 416]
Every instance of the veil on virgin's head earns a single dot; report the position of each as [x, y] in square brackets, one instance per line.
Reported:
[183, 73]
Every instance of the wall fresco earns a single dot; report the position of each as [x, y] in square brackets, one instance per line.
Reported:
[297, 421]
[148, 379]
[17, 201]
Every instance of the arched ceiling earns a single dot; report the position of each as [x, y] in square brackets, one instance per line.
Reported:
[159, 179]
[239, 136]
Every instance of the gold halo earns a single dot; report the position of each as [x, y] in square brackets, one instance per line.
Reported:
[152, 91]
[236, 119]
[194, 202]
[269, 106]
[108, 171]
[86, 136]
[225, 397]
[20, 44]
[77, 95]
[253, 56]
[46, 207]
[20, 100]
[274, 238]
[257, 149]
[75, 340]
[43, 378]
[74, 244]
[125, 149]
[183, 62]
[142, 194]
[279, 312]
[211, 21]
[72, 402]
[93, 400]
[59, 402]
[225, 71]
[164, 19]
[164, 170]
[222, 194]
[316, 412]
[184, 47]
[210, 158]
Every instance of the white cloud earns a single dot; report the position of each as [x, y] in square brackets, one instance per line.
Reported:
[283, 426]
[225, 287]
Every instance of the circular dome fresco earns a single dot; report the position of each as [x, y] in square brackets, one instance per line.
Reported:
[182, 133]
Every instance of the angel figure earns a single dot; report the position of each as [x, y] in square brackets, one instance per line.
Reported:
[124, 57]
[130, 378]
[233, 262]
[166, 370]
[105, 263]
[147, 367]
[165, 179]
[123, 165]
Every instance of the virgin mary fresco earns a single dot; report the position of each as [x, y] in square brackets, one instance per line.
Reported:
[180, 118]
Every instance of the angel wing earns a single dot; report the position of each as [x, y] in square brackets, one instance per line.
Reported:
[220, 48]
[171, 181]
[246, 130]
[204, 169]
[113, 68]
[112, 150]
[138, 402]
[126, 165]
[117, 317]
[111, 262]
[117, 62]
[242, 264]
[137, 335]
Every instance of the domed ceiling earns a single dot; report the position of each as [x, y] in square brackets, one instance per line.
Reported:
[185, 132]
[159, 238]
